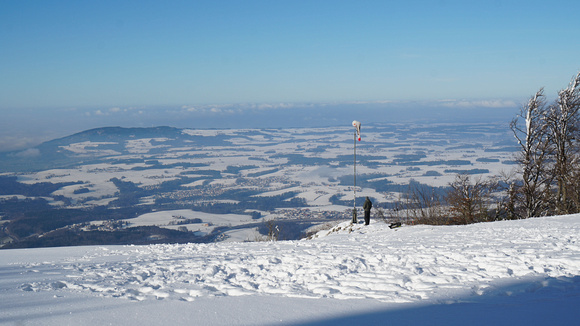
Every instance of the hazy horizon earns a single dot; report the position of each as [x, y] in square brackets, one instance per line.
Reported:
[28, 128]
[68, 66]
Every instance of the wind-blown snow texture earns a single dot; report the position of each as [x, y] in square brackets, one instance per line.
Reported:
[528, 264]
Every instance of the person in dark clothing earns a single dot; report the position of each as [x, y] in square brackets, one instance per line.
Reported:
[367, 207]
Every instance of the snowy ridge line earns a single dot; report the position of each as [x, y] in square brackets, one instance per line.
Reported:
[408, 264]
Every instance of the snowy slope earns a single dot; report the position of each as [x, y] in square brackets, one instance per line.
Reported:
[509, 272]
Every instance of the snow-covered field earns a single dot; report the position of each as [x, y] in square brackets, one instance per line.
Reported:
[524, 272]
[398, 153]
[207, 223]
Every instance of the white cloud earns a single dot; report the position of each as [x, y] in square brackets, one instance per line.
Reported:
[493, 103]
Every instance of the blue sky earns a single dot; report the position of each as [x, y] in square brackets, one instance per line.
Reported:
[104, 57]
[126, 53]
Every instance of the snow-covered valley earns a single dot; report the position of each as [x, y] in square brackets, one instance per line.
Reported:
[508, 272]
[162, 184]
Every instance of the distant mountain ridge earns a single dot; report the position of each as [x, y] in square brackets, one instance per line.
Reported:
[115, 133]
[50, 154]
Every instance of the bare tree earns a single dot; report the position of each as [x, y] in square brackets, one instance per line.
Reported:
[510, 203]
[469, 202]
[398, 212]
[503, 197]
[424, 205]
[574, 190]
[380, 214]
[532, 158]
[273, 231]
[562, 122]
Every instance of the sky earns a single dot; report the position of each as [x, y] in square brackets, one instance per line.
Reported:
[95, 57]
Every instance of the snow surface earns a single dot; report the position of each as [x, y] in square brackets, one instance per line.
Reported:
[524, 272]
[209, 222]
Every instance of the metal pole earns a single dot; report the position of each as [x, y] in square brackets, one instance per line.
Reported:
[354, 220]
